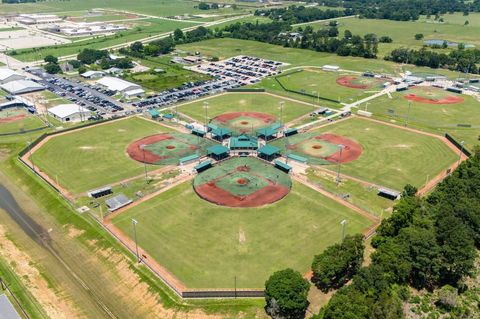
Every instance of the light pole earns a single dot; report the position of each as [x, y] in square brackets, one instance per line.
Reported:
[144, 163]
[366, 106]
[313, 94]
[339, 163]
[282, 103]
[344, 226]
[461, 151]
[134, 223]
[408, 113]
[205, 106]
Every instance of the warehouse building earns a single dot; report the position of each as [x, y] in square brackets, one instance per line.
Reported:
[7, 75]
[122, 86]
[38, 18]
[69, 113]
[21, 87]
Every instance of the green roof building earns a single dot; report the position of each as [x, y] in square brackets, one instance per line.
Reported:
[243, 142]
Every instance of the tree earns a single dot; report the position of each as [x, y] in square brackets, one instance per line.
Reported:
[338, 263]
[214, 6]
[347, 303]
[136, 46]
[409, 191]
[286, 294]
[347, 34]
[50, 59]
[52, 68]
[203, 6]
[75, 63]
[178, 35]
[418, 36]
[466, 22]
[388, 306]
[447, 297]
[82, 70]
[385, 39]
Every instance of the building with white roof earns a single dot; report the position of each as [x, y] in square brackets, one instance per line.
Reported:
[69, 113]
[7, 75]
[38, 18]
[118, 85]
[327, 67]
[92, 74]
[21, 87]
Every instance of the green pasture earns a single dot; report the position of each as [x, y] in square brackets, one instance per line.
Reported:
[435, 118]
[174, 76]
[206, 245]
[391, 157]
[323, 85]
[140, 29]
[245, 102]
[95, 156]
[28, 123]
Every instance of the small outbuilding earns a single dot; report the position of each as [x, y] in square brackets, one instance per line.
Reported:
[268, 152]
[203, 166]
[218, 152]
[221, 133]
[92, 74]
[69, 113]
[117, 202]
[388, 193]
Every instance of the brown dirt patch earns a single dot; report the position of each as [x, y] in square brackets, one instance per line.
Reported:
[350, 152]
[170, 147]
[11, 119]
[317, 147]
[244, 168]
[244, 122]
[242, 181]
[348, 82]
[227, 117]
[451, 99]
[135, 151]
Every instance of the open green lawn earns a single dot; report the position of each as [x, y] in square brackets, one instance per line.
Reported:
[245, 102]
[94, 156]
[205, 245]
[403, 32]
[28, 123]
[141, 29]
[435, 118]
[391, 157]
[322, 83]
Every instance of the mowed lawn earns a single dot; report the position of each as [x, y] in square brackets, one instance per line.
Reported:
[29, 123]
[392, 157]
[245, 102]
[96, 156]
[206, 245]
[435, 118]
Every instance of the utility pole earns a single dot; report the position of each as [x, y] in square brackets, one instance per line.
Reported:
[344, 226]
[205, 106]
[408, 113]
[313, 94]
[144, 163]
[281, 104]
[339, 164]
[134, 223]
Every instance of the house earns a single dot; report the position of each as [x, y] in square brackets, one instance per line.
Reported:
[92, 74]
[69, 113]
[7, 75]
[22, 87]
[114, 71]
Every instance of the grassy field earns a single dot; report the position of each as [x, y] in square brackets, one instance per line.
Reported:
[439, 119]
[211, 245]
[140, 29]
[241, 102]
[28, 123]
[95, 156]
[391, 157]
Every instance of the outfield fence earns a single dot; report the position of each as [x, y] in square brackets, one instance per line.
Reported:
[240, 90]
[300, 92]
[458, 145]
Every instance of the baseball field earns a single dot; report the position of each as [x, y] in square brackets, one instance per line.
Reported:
[18, 120]
[96, 156]
[211, 245]
[459, 118]
[391, 156]
[243, 102]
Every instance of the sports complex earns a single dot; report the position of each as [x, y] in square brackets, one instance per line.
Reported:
[226, 200]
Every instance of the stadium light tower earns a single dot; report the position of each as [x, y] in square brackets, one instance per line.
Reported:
[144, 162]
[205, 106]
[281, 105]
[313, 94]
[340, 146]
[134, 224]
[344, 226]
[408, 113]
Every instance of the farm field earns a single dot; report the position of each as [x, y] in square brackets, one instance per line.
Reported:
[245, 102]
[140, 29]
[25, 121]
[94, 156]
[391, 157]
[435, 118]
[211, 245]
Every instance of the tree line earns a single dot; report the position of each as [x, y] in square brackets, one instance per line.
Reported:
[428, 243]
[300, 14]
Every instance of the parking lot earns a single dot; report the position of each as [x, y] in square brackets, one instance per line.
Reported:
[243, 69]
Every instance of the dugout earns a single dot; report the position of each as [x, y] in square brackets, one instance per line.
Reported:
[290, 132]
[297, 158]
[243, 142]
[117, 202]
[198, 132]
[211, 127]
[188, 159]
[388, 193]
[154, 113]
[454, 90]
[268, 152]
[97, 193]
[203, 166]
[283, 166]
[218, 152]
[267, 133]
[221, 133]
[168, 116]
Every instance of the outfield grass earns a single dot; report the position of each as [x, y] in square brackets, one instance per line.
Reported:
[29, 123]
[141, 29]
[245, 102]
[391, 157]
[205, 245]
[94, 156]
[439, 119]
